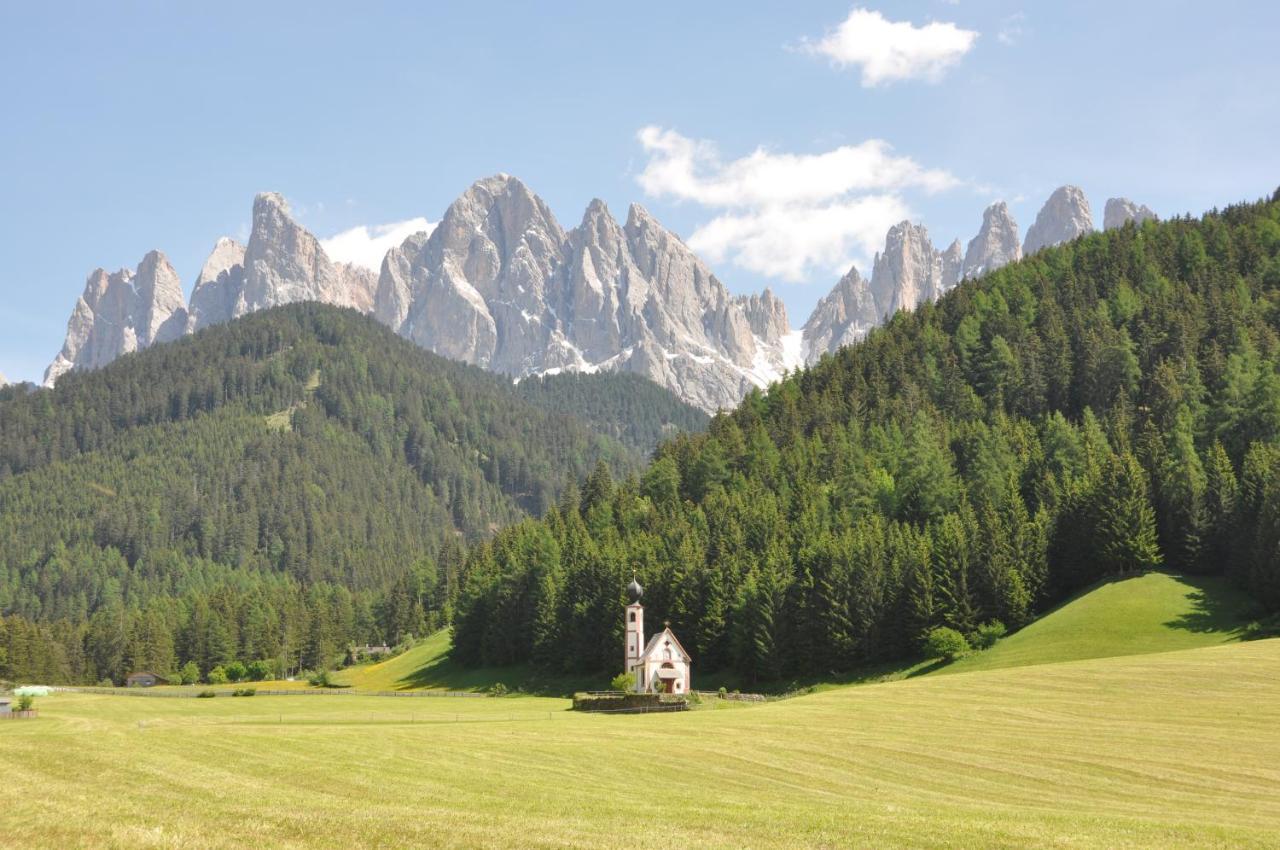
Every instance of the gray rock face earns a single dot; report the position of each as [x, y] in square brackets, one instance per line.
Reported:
[841, 318]
[500, 284]
[284, 263]
[122, 312]
[1120, 211]
[995, 245]
[910, 270]
[952, 265]
[766, 314]
[4, 382]
[219, 285]
[1063, 217]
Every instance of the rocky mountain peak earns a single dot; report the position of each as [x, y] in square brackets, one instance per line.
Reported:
[219, 285]
[951, 265]
[842, 317]
[996, 243]
[1120, 211]
[284, 263]
[122, 312]
[766, 314]
[500, 284]
[4, 382]
[1065, 216]
[908, 272]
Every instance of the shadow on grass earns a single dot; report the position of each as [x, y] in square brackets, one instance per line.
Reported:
[444, 672]
[926, 669]
[1217, 607]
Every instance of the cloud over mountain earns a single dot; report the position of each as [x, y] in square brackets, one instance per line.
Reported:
[781, 214]
[366, 245]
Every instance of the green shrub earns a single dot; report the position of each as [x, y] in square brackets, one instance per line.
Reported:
[217, 676]
[25, 702]
[946, 643]
[497, 689]
[189, 674]
[723, 693]
[244, 692]
[321, 679]
[987, 635]
[623, 682]
[258, 670]
[206, 695]
[236, 671]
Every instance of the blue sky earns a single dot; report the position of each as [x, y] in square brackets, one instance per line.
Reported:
[767, 135]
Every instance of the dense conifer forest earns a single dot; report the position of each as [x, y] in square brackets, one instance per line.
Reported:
[275, 489]
[1104, 407]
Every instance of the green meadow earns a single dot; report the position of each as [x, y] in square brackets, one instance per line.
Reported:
[1166, 746]
[1156, 612]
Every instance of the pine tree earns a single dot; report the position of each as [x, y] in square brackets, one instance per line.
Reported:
[1126, 533]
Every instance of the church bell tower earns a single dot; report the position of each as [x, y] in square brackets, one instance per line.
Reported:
[635, 634]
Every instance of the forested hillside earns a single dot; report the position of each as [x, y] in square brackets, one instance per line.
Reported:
[1103, 407]
[628, 407]
[273, 488]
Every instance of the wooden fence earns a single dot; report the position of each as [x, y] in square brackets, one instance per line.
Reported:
[733, 697]
[29, 714]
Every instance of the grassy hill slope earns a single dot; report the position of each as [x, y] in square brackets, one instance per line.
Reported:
[1163, 750]
[1156, 612]
[427, 666]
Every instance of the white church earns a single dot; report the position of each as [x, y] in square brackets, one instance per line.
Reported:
[662, 665]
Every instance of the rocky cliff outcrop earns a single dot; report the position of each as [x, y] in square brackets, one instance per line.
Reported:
[122, 312]
[995, 245]
[910, 270]
[500, 284]
[219, 285]
[842, 317]
[1120, 211]
[282, 263]
[4, 382]
[1063, 217]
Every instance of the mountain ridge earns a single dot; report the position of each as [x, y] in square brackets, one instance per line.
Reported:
[501, 284]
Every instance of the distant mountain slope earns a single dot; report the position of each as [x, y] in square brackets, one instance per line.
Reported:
[628, 407]
[1103, 407]
[275, 480]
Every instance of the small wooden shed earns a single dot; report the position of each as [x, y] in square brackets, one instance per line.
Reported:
[145, 679]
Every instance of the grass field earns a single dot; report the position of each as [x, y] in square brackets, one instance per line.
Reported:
[1036, 742]
[1156, 612]
[1160, 750]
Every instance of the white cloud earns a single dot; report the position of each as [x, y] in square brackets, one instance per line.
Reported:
[787, 215]
[367, 245]
[691, 169]
[790, 242]
[893, 50]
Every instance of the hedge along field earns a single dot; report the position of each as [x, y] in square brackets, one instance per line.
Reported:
[1164, 750]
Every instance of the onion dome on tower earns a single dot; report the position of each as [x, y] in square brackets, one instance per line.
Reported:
[634, 590]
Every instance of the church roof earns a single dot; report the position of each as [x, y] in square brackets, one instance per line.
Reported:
[653, 644]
